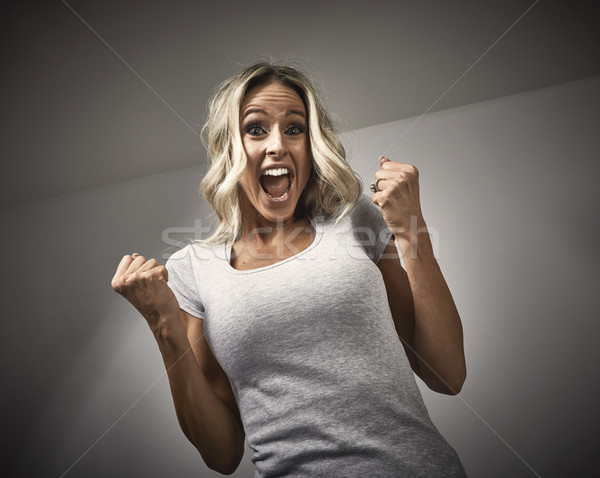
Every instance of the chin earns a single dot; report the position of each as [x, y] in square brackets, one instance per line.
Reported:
[277, 210]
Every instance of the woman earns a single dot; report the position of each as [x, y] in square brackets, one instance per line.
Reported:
[305, 328]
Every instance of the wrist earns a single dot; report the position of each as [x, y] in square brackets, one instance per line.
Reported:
[414, 243]
[167, 328]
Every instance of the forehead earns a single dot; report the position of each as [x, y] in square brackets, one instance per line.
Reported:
[272, 95]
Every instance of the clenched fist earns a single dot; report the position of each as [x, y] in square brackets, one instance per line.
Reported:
[144, 283]
[397, 194]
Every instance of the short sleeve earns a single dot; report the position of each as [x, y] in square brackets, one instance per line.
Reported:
[183, 282]
[368, 222]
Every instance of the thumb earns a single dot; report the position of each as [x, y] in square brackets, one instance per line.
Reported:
[383, 159]
[164, 273]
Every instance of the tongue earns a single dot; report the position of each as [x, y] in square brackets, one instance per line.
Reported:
[276, 186]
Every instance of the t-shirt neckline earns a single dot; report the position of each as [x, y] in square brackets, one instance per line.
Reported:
[316, 224]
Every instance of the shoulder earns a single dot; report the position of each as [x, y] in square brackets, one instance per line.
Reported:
[364, 203]
[369, 227]
[365, 213]
[185, 257]
[183, 269]
[179, 264]
[362, 214]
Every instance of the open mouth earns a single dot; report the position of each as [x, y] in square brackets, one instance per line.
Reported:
[276, 183]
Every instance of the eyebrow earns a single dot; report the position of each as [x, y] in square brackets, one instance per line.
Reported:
[260, 110]
[296, 112]
[254, 110]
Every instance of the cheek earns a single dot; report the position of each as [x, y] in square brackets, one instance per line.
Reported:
[302, 152]
[252, 155]
[248, 149]
[306, 162]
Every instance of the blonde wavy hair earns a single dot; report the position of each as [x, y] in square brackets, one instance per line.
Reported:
[333, 187]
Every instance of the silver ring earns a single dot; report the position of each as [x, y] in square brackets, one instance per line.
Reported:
[375, 185]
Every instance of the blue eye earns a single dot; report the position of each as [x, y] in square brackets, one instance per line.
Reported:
[295, 130]
[254, 129]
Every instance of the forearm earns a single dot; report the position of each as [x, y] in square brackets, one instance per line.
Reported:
[203, 417]
[438, 337]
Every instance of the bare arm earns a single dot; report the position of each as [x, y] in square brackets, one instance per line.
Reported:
[424, 312]
[202, 396]
[426, 318]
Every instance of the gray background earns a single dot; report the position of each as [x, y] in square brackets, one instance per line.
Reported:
[95, 165]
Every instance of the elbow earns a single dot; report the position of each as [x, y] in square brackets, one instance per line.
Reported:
[447, 388]
[453, 389]
[454, 385]
[222, 454]
[225, 468]
[226, 465]
[449, 384]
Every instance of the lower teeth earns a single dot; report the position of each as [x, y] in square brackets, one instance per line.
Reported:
[283, 196]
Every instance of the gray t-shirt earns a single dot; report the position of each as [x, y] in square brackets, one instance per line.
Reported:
[309, 345]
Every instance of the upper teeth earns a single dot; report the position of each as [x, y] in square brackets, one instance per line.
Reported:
[275, 172]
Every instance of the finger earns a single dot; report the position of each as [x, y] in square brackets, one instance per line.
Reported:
[156, 273]
[148, 265]
[137, 262]
[162, 270]
[123, 265]
[395, 166]
[386, 174]
[383, 159]
[375, 185]
[376, 197]
[380, 188]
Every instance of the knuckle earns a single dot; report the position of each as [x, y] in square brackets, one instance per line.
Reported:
[130, 279]
[151, 275]
[145, 276]
[394, 184]
[385, 198]
[118, 285]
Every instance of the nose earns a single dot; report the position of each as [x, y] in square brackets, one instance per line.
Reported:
[276, 144]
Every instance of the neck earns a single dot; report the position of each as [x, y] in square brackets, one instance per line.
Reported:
[263, 242]
[256, 229]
